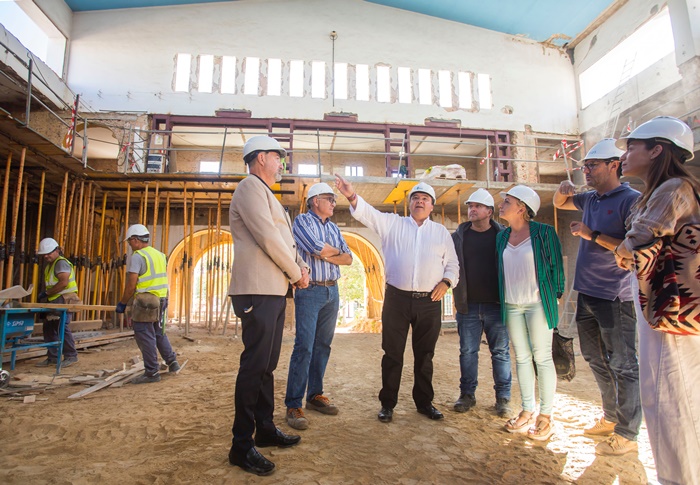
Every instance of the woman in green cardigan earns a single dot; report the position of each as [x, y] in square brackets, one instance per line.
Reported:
[531, 278]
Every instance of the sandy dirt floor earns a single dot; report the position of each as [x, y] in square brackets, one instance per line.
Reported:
[178, 430]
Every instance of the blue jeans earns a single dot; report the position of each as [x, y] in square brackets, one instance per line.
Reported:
[316, 314]
[483, 318]
[532, 339]
[607, 333]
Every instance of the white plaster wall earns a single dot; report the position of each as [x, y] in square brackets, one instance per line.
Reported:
[125, 60]
[614, 30]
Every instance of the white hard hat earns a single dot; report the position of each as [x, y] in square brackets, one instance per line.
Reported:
[47, 245]
[138, 230]
[666, 127]
[525, 195]
[318, 189]
[605, 149]
[424, 188]
[481, 196]
[263, 143]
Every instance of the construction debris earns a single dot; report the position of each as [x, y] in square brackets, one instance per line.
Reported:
[113, 379]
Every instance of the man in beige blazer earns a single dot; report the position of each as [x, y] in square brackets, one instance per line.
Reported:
[265, 265]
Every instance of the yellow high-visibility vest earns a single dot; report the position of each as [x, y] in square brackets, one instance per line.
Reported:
[155, 279]
[51, 280]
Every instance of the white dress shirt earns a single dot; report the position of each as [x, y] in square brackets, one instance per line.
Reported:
[417, 257]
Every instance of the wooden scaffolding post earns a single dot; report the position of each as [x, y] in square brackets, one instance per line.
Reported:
[35, 263]
[155, 217]
[23, 235]
[459, 209]
[15, 216]
[3, 216]
[183, 270]
[144, 219]
[60, 211]
[96, 288]
[77, 233]
[190, 269]
[66, 244]
[84, 254]
[166, 226]
[89, 252]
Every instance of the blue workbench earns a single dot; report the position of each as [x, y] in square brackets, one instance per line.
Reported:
[17, 324]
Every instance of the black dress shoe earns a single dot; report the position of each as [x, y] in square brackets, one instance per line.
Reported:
[431, 412]
[278, 439]
[252, 462]
[385, 415]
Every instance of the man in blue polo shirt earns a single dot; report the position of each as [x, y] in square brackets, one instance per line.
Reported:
[316, 308]
[605, 313]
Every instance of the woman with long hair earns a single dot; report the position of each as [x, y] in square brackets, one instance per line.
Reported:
[531, 278]
[668, 364]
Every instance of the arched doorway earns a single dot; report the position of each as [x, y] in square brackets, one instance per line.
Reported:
[199, 271]
[374, 271]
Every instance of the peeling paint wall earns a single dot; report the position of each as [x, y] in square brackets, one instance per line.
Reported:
[125, 60]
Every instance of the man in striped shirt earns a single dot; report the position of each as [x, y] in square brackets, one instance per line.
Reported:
[316, 308]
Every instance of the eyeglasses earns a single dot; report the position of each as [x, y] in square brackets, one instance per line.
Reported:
[591, 166]
[330, 200]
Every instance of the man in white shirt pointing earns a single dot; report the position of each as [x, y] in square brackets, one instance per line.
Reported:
[421, 265]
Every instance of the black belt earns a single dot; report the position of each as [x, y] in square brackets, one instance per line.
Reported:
[411, 294]
[323, 283]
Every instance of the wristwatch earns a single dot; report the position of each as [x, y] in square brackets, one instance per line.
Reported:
[447, 282]
[594, 235]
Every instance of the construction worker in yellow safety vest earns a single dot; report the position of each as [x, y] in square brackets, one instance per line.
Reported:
[60, 287]
[146, 295]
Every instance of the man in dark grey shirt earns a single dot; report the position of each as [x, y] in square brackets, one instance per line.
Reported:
[478, 304]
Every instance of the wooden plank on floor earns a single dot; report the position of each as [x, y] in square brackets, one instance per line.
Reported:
[122, 375]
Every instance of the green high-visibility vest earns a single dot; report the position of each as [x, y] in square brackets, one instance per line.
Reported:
[155, 279]
[51, 280]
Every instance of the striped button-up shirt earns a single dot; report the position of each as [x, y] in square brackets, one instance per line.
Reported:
[311, 235]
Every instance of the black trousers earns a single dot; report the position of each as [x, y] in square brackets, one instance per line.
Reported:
[262, 324]
[424, 316]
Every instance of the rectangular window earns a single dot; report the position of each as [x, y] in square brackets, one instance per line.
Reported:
[648, 44]
[484, 83]
[35, 31]
[340, 90]
[208, 167]
[318, 79]
[465, 90]
[228, 75]
[206, 73]
[405, 87]
[362, 82]
[182, 73]
[383, 84]
[252, 75]
[274, 77]
[445, 84]
[308, 169]
[296, 79]
[352, 171]
[425, 89]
